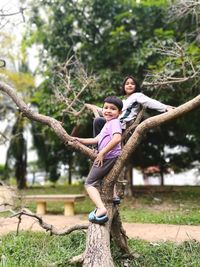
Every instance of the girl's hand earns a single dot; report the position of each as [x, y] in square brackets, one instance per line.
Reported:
[99, 160]
[170, 108]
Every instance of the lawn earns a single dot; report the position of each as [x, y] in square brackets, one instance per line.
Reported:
[30, 249]
[178, 206]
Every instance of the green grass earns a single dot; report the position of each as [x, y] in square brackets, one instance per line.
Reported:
[30, 249]
[179, 206]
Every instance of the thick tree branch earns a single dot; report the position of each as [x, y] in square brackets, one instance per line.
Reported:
[51, 122]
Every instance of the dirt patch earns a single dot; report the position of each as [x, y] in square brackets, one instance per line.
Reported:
[148, 232]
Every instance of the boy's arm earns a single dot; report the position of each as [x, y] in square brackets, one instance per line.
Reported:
[87, 141]
[117, 137]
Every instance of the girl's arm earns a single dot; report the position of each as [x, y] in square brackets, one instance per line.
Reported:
[151, 103]
[116, 139]
[95, 109]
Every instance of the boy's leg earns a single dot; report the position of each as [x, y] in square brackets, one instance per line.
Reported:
[96, 198]
[98, 124]
[95, 176]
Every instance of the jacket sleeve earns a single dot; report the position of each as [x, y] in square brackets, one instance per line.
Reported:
[151, 103]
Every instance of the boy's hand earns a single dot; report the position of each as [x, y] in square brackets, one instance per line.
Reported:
[99, 160]
[73, 140]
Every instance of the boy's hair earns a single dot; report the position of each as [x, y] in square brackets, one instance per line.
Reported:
[115, 101]
[137, 86]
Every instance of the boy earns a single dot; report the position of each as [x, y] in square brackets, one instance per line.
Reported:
[109, 148]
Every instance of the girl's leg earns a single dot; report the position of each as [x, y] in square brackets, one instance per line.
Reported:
[116, 198]
[98, 124]
[115, 191]
[96, 198]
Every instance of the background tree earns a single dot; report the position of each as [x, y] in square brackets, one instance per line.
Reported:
[15, 126]
[113, 40]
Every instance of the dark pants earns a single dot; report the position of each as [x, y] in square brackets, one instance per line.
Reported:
[97, 174]
[98, 124]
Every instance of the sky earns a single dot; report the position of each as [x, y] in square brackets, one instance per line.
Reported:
[15, 27]
[10, 7]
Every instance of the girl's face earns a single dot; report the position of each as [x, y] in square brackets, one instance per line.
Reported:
[129, 86]
[110, 111]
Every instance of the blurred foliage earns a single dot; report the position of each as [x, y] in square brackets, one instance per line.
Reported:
[16, 74]
[113, 39]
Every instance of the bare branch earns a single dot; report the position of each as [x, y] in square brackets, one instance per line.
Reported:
[5, 16]
[182, 8]
[177, 53]
[21, 11]
[49, 227]
[75, 80]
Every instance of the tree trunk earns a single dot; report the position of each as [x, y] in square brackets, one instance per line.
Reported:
[70, 175]
[21, 176]
[119, 235]
[161, 177]
[97, 251]
[129, 178]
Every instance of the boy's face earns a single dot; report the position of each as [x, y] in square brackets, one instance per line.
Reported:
[110, 111]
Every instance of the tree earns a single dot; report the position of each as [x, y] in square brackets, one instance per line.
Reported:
[97, 251]
[17, 154]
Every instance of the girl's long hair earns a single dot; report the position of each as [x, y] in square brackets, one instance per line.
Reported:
[137, 86]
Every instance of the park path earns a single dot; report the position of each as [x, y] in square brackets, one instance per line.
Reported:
[148, 232]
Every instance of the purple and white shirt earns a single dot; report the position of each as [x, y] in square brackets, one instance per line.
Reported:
[111, 127]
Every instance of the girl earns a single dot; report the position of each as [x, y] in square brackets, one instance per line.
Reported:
[132, 103]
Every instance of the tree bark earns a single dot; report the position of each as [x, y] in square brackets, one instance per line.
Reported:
[97, 251]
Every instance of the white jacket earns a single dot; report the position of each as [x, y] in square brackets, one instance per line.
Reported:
[131, 107]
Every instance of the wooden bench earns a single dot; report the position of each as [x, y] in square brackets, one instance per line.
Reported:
[41, 201]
